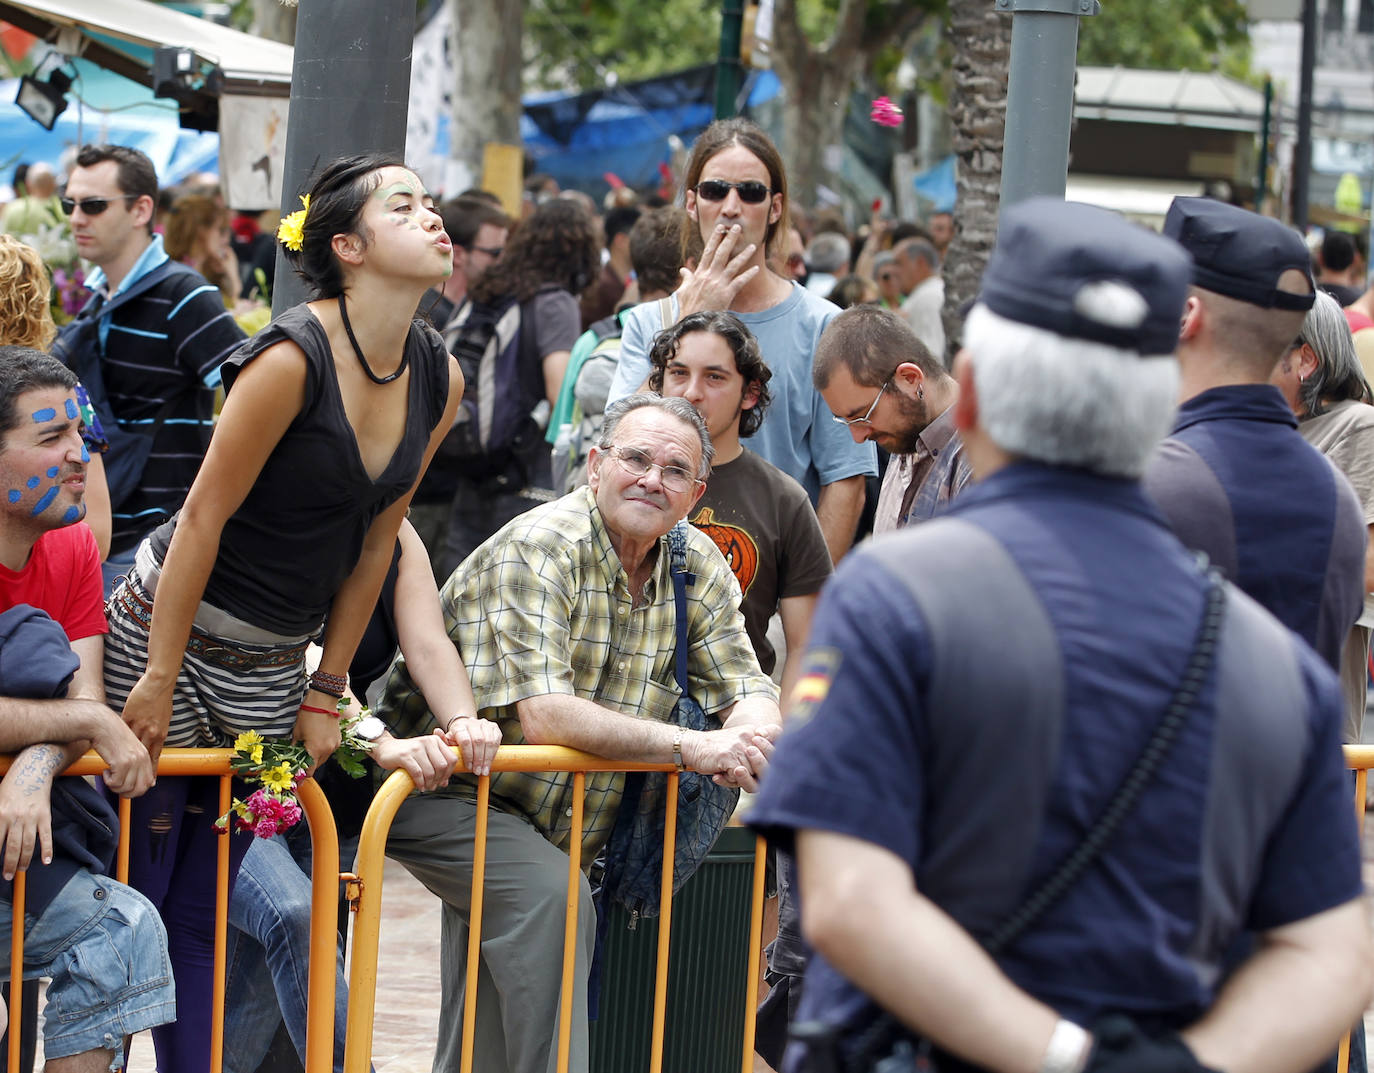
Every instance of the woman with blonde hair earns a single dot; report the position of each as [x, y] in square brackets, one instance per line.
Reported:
[26, 320]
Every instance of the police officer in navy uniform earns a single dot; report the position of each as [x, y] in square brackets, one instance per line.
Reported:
[1236, 479]
[960, 726]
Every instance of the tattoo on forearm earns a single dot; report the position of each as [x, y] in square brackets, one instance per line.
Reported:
[36, 767]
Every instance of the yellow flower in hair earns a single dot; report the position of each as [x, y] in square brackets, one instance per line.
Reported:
[291, 231]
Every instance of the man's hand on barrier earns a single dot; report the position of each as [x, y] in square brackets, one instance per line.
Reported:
[148, 713]
[476, 738]
[720, 274]
[25, 816]
[426, 759]
[734, 756]
[318, 733]
[131, 769]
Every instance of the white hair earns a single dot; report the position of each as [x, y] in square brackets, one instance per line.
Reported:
[1068, 402]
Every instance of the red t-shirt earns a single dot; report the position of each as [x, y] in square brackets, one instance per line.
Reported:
[62, 577]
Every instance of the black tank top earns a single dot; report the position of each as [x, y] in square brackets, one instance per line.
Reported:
[298, 534]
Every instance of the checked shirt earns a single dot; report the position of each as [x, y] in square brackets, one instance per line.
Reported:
[543, 607]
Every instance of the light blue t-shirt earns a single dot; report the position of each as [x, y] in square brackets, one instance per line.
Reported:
[797, 434]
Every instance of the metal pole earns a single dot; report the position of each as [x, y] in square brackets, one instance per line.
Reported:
[350, 89]
[1302, 153]
[1044, 48]
[1262, 179]
[728, 63]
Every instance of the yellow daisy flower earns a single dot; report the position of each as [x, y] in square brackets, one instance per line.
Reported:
[278, 778]
[291, 231]
[247, 741]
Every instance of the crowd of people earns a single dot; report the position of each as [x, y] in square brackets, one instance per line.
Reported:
[1051, 767]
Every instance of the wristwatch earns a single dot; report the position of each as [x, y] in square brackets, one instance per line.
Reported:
[370, 729]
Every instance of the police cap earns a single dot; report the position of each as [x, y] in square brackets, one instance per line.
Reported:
[1086, 273]
[1240, 254]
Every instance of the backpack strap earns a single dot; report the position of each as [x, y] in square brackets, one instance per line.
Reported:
[677, 565]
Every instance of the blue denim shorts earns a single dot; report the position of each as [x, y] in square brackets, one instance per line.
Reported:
[104, 948]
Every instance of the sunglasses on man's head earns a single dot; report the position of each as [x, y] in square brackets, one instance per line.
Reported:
[751, 192]
[94, 206]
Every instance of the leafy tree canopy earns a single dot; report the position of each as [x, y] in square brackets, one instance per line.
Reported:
[1191, 35]
[576, 43]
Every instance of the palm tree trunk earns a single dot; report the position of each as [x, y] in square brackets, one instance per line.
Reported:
[980, 40]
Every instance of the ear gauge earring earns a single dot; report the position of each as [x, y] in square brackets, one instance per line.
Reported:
[920, 392]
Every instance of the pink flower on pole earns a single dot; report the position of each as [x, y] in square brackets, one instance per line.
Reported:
[885, 113]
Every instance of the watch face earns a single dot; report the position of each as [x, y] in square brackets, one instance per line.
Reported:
[370, 729]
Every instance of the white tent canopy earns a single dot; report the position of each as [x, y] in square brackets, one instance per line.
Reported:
[249, 64]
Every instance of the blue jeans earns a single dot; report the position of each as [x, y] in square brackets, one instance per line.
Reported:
[269, 932]
[105, 952]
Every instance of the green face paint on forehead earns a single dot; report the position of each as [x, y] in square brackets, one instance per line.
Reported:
[385, 193]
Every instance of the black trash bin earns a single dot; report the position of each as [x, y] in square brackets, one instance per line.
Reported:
[708, 973]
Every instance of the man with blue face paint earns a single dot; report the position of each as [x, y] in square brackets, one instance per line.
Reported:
[82, 928]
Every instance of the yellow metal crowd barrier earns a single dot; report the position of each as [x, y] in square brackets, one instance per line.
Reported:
[365, 890]
[324, 903]
[362, 984]
[1359, 758]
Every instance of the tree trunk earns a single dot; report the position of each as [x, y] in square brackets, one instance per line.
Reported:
[980, 41]
[486, 100]
[275, 21]
[815, 90]
[815, 100]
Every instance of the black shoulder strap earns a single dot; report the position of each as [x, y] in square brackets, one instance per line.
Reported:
[677, 565]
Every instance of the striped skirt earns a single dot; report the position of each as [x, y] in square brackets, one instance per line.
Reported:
[234, 676]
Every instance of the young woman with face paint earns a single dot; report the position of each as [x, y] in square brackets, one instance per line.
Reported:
[331, 415]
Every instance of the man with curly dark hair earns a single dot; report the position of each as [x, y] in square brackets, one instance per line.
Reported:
[759, 517]
[548, 262]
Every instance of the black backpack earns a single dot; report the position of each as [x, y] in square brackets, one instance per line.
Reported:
[496, 429]
[77, 346]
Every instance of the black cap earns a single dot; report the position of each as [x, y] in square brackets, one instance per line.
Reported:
[1086, 273]
[1240, 254]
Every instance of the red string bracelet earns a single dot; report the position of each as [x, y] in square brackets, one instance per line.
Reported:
[320, 711]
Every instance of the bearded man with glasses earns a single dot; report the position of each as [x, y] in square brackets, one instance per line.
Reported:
[155, 333]
[735, 194]
[565, 621]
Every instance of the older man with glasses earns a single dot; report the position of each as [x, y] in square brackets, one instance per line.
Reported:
[566, 623]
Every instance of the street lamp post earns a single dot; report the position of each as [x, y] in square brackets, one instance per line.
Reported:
[350, 89]
[1044, 58]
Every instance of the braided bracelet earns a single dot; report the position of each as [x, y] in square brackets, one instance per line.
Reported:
[332, 685]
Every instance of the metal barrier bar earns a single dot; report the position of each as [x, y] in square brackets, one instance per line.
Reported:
[363, 978]
[16, 967]
[479, 877]
[565, 995]
[1361, 759]
[324, 894]
[751, 994]
[367, 923]
[665, 920]
[226, 795]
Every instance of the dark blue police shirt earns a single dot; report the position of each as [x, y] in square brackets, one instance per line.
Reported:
[1145, 929]
[1236, 480]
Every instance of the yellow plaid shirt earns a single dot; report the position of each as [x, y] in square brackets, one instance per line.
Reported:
[544, 607]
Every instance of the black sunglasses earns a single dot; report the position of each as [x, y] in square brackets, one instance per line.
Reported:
[94, 206]
[751, 193]
[494, 252]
